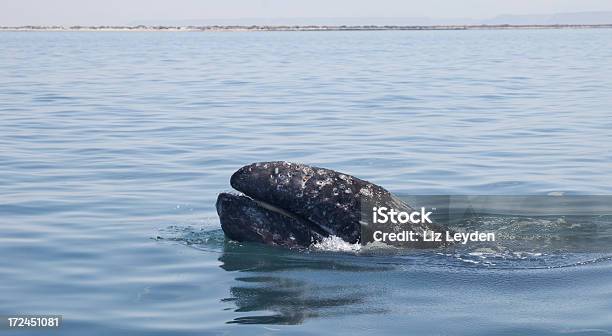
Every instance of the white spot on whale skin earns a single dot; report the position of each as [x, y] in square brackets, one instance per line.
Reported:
[365, 192]
[276, 170]
[322, 183]
[346, 178]
[305, 179]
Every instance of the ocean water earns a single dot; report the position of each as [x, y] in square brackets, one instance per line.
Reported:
[114, 146]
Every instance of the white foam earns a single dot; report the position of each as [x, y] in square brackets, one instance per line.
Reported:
[336, 244]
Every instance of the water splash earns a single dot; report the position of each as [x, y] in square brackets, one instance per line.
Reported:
[336, 244]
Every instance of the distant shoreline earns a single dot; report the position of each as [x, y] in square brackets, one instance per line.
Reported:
[142, 28]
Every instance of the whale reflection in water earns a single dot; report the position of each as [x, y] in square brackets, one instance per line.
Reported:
[268, 292]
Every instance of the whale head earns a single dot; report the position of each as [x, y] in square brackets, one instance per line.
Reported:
[291, 204]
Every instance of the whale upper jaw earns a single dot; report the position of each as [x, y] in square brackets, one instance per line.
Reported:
[327, 199]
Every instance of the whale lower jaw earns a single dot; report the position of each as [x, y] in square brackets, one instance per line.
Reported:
[245, 219]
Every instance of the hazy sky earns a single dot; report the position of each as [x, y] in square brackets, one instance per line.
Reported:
[98, 12]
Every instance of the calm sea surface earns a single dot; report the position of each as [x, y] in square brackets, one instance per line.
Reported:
[114, 146]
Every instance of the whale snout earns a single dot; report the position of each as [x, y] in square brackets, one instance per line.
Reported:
[246, 220]
[232, 219]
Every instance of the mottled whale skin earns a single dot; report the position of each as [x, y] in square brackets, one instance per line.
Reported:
[295, 205]
[245, 220]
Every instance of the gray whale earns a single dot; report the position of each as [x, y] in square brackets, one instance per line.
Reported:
[296, 205]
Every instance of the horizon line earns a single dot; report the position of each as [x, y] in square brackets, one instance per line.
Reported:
[296, 27]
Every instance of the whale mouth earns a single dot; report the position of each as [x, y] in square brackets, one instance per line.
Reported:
[245, 219]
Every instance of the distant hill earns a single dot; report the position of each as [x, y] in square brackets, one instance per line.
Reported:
[559, 18]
